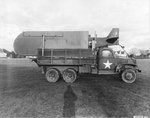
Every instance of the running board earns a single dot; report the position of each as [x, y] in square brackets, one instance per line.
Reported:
[103, 72]
[106, 72]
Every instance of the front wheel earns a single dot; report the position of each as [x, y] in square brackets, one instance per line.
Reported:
[128, 75]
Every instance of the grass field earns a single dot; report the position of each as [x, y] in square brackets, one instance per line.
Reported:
[24, 92]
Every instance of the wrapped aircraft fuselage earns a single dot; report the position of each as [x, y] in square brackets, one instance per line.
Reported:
[27, 43]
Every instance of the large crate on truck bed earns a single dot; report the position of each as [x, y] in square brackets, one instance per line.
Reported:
[28, 42]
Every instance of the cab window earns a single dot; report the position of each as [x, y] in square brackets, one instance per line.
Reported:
[106, 54]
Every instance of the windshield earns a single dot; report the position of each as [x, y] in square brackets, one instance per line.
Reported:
[119, 51]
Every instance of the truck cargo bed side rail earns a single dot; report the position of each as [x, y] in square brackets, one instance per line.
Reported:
[65, 57]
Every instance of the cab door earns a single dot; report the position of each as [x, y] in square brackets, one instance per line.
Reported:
[106, 60]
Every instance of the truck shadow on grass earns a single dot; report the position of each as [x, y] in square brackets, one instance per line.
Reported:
[69, 103]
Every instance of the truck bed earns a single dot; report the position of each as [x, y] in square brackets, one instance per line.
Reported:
[65, 57]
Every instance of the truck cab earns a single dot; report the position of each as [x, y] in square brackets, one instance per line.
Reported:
[114, 60]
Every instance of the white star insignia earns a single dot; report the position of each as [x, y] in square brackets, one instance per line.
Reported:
[107, 64]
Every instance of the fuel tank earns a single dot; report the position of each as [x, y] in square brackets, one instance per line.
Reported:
[28, 42]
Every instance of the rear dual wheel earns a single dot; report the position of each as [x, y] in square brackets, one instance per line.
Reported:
[69, 75]
[52, 75]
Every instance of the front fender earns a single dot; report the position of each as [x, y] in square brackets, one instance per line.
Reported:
[121, 67]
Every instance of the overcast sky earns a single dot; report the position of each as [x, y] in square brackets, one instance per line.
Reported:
[131, 16]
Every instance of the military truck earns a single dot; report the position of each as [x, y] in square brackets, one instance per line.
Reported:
[67, 54]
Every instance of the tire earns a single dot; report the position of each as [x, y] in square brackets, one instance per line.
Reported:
[69, 75]
[52, 75]
[128, 75]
